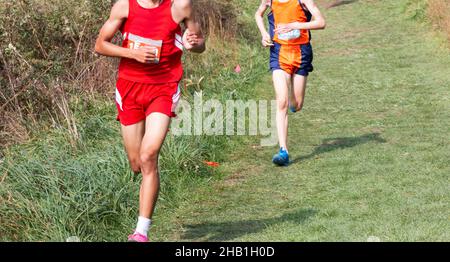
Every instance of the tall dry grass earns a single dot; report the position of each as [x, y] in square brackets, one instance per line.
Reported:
[46, 58]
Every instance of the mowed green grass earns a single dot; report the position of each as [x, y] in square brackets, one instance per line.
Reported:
[370, 150]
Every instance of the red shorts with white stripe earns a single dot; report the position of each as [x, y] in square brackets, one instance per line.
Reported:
[135, 101]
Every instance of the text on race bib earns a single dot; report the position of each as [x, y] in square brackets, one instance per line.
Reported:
[136, 42]
[294, 34]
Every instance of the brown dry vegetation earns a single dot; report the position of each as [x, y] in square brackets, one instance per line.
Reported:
[439, 14]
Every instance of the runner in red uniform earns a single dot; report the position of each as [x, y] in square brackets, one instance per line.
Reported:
[147, 90]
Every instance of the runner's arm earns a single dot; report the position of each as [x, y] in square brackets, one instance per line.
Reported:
[103, 45]
[266, 39]
[193, 39]
[259, 17]
[317, 24]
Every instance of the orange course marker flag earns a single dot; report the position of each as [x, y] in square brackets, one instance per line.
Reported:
[212, 164]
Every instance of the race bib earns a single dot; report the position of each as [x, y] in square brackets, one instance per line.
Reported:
[136, 42]
[294, 34]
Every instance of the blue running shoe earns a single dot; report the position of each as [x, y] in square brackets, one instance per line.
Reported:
[282, 158]
[293, 109]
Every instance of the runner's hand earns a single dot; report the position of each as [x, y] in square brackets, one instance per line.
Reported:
[266, 40]
[191, 40]
[284, 28]
[145, 54]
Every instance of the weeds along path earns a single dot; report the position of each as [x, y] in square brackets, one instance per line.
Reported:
[370, 150]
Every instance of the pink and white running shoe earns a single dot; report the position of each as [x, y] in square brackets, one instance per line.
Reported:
[136, 237]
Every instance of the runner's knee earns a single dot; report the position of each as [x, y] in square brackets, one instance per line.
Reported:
[283, 104]
[136, 170]
[149, 156]
[135, 165]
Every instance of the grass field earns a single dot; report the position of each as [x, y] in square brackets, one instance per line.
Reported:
[370, 151]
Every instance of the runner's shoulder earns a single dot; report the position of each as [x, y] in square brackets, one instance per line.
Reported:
[120, 9]
[182, 4]
[181, 9]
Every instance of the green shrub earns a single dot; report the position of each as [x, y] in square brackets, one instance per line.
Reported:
[416, 9]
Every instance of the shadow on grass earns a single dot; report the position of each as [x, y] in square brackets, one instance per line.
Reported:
[231, 230]
[340, 2]
[331, 144]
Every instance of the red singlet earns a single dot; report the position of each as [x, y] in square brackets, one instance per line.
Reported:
[155, 27]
